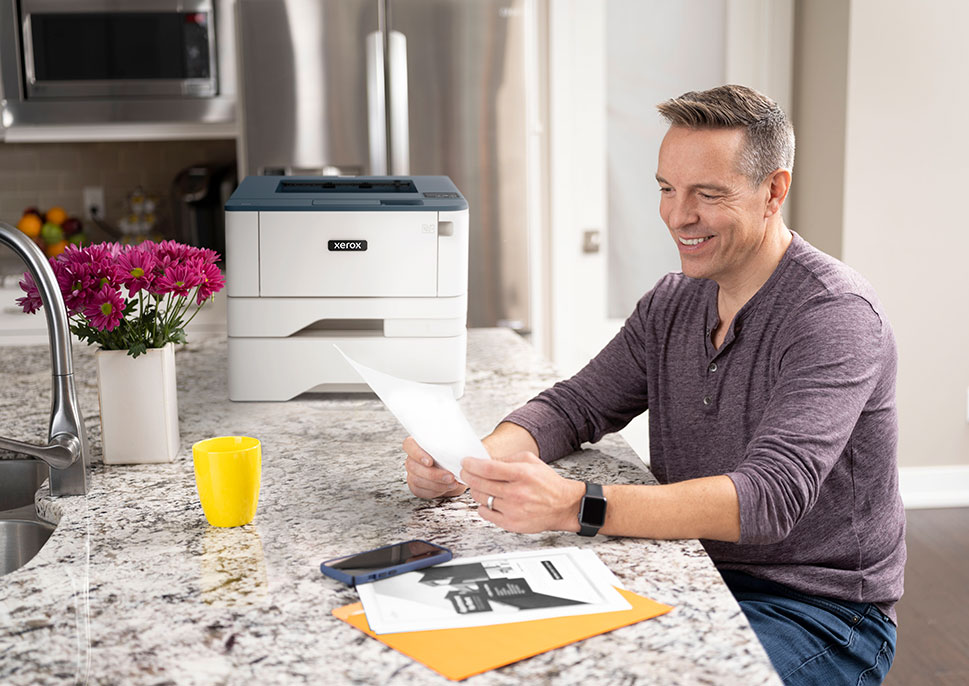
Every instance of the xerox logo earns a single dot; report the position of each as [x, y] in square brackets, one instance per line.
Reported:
[344, 246]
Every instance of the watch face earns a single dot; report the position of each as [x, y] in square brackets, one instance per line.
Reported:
[593, 511]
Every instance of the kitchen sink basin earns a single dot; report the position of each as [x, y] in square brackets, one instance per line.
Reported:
[20, 540]
[19, 481]
[22, 532]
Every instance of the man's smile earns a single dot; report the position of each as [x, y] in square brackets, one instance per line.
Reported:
[693, 241]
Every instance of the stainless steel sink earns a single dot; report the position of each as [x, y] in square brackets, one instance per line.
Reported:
[20, 540]
[19, 481]
[22, 532]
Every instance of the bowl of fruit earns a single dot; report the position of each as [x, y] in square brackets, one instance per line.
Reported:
[53, 230]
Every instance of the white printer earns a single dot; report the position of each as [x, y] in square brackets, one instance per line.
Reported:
[377, 265]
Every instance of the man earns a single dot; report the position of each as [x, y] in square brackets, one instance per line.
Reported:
[769, 371]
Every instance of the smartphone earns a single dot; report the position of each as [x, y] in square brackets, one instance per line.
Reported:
[383, 562]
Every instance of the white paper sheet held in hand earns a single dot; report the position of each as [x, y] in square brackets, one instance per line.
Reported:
[429, 413]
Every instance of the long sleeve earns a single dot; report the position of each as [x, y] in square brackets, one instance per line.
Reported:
[602, 397]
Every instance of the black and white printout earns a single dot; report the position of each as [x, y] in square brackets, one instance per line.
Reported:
[493, 589]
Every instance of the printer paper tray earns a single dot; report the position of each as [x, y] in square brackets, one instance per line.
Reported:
[282, 368]
[268, 317]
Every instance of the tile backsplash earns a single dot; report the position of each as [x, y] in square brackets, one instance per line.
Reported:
[48, 174]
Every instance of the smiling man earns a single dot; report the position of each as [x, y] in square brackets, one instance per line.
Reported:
[768, 369]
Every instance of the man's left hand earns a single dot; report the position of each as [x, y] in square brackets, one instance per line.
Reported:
[529, 496]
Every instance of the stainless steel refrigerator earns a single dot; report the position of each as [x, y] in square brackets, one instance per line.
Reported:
[396, 87]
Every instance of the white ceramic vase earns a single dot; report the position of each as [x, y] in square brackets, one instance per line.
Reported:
[139, 406]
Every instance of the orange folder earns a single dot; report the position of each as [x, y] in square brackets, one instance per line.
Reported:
[460, 653]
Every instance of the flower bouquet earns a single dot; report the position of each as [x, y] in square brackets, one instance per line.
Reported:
[134, 302]
[132, 297]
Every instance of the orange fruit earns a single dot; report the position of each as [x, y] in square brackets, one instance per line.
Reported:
[30, 224]
[56, 215]
[55, 249]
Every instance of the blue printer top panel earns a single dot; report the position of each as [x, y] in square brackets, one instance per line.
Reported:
[346, 193]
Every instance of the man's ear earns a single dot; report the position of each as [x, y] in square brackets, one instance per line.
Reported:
[777, 184]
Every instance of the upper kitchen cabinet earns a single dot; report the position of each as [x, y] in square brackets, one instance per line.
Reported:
[90, 70]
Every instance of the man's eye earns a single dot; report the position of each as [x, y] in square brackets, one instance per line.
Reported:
[707, 196]
[665, 189]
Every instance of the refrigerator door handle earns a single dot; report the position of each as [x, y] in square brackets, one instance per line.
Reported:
[399, 121]
[376, 104]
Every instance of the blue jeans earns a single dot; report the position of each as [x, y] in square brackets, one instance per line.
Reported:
[814, 640]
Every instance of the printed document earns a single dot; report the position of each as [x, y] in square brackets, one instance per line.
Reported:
[430, 413]
[493, 589]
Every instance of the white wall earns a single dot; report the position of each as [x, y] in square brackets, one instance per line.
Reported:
[905, 227]
[815, 206]
[647, 62]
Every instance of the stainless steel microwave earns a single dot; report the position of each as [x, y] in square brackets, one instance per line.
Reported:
[103, 61]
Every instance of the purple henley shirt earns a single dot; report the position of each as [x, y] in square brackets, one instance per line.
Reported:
[797, 408]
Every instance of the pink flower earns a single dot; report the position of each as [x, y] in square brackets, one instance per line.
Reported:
[78, 284]
[208, 256]
[31, 302]
[136, 269]
[164, 253]
[107, 272]
[212, 281]
[178, 279]
[98, 262]
[105, 309]
[73, 254]
[102, 255]
[171, 252]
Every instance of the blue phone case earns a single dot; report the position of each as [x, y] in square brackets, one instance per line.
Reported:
[442, 555]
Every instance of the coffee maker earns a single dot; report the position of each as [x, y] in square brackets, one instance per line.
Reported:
[199, 194]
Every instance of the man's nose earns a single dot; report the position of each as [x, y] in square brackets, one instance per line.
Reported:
[681, 212]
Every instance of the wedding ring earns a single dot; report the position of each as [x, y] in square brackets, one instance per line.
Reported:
[491, 502]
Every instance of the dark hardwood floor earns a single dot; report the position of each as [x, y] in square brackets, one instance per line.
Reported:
[933, 615]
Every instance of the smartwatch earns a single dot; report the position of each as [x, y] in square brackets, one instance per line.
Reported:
[592, 511]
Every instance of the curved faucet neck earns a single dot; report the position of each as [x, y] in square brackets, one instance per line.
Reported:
[58, 330]
[67, 448]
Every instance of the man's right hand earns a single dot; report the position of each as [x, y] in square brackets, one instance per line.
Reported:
[424, 478]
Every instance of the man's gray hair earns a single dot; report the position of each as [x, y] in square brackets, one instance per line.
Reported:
[769, 136]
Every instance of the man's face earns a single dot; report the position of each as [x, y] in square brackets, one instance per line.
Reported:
[716, 215]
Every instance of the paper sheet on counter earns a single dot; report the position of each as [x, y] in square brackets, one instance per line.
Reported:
[429, 413]
[492, 589]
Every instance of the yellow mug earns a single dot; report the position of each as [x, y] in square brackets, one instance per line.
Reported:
[227, 471]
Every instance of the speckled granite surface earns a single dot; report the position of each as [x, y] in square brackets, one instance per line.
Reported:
[135, 588]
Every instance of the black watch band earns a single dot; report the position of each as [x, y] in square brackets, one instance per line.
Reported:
[592, 510]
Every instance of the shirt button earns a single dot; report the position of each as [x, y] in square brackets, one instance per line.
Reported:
[712, 367]
[707, 400]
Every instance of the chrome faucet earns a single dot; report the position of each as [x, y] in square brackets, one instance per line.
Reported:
[66, 452]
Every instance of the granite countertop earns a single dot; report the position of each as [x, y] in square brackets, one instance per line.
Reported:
[134, 587]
